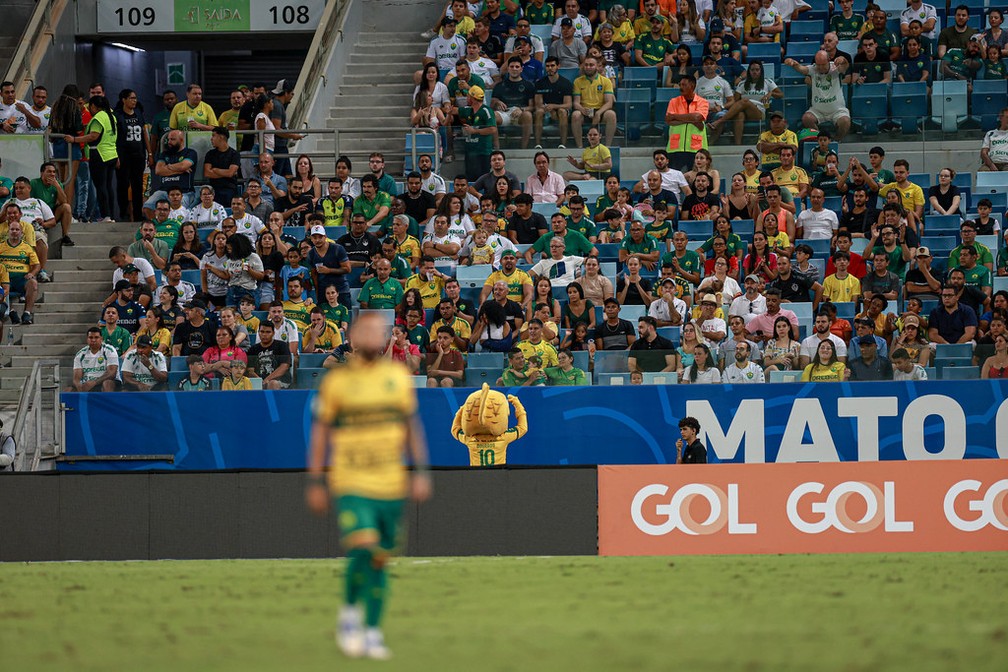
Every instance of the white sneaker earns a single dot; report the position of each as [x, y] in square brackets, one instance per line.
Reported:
[350, 632]
[374, 645]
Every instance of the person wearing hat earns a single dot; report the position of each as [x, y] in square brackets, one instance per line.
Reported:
[652, 47]
[479, 126]
[868, 365]
[192, 113]
[568, 50]
[920, 280]
[532, 68]
[130, 312]
[523, 28]
[751, 303]
[714, 88]
[711, 327]
[283, 93]
[196, 334]
[144, 368]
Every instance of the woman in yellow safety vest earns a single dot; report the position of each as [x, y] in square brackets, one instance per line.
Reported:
[101, 135]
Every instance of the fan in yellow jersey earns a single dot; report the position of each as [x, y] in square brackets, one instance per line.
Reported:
[297, 311]
[192, 113]
[481, 425]
[365, 422]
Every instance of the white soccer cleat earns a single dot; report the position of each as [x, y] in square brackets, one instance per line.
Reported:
[350, 632]
[374, 645]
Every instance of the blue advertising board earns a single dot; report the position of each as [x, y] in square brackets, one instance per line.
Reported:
[787, 422]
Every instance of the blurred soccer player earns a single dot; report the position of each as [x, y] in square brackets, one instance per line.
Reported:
[365, 420]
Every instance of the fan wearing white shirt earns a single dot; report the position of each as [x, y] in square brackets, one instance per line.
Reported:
[246, 223]
[816, 223]
[742, 371]
[560, 269]
[671, 179]
[207, 212]
[668, 309]
[752, 303]
[441, 244]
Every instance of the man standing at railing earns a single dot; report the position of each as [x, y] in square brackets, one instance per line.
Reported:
[193, 113]
[283, 94]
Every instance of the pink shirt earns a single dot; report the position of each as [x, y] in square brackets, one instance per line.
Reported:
[545, 191]
[765, 323]
[215, 354]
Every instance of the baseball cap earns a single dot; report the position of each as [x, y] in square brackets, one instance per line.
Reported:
[509, 253]
[911, 320]
[922, 251]
[710, 58]
[448, 19]
[658, 17]
[476, 93]
[522, 38]
[130, 268]
[867, 340]
[283, 86]
[566, 22]
[867, 321]
[123, 284]
[755, 278]
[776, 113]
[709, 298]
[196, 303]
[145, 340]
[318, 229]
[716, 25]
[668, 281]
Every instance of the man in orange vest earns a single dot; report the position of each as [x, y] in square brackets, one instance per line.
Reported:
[686, 117]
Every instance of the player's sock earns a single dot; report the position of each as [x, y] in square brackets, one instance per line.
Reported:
[375, 596]
[357, 573]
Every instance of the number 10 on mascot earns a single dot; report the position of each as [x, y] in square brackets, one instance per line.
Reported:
[482, 426]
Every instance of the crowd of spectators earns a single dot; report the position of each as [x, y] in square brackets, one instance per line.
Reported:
[264, 261]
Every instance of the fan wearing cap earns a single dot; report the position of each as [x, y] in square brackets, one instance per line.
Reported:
[569, 50]
[524, 30]
[479, 126]
[714, 88]
[868, 364]
[144, 368]
[652, 47]
[192, 113]
[920, 280]
[130, 312]
[711, 327]
[283, 94]
[196, 334]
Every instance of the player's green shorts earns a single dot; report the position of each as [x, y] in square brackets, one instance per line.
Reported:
[357, 514]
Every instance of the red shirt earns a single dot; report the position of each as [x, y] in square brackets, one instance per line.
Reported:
[857, 266]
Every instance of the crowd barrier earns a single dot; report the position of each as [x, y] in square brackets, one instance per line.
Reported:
[801, 508]
[787, 422]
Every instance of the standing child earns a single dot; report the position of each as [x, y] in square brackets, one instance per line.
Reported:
[295, 269]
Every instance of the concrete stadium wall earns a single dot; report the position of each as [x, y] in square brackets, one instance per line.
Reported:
[144, 516]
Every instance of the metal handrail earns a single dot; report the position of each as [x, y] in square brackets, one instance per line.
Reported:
[32, 46]
[316, 60]
[30, 402]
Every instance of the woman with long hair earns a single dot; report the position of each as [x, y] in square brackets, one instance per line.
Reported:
[702, 369]
[731, 14]
[304, 172]
[752, 97]
[244, 269]
[501, 194]
[168, 310]
[101, 135]
[135, 154]
[188, 251]
[781, 352]
[213, 277]
[452, 207]
[492, 330]
[351, 185]
[913, 338]
[578, 310]
[543, 293]
[682, 64]
[597, 287]
[944, 197]
[733, 242]
[691, 25]
[577, 339]
[411, 299]
[825, 367]
[273, 263]
[261, 108]
[689, 338]
[703, 162]
[751, 171]
[229, 319]
[219, 356]
[760, 259]
[723, 270]
[996, 366]
[65, 121]
[152, 325]
[739, 203]
[434, 112]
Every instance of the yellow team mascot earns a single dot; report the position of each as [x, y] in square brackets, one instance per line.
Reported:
[482, 426]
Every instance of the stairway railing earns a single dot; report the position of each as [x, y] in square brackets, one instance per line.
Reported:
[316, 61]
[31, 406]
[38, 35]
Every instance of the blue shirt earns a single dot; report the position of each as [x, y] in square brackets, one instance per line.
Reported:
[334, 257]
[952, 326]
[279, 181]
[533, 70]
[854, 349]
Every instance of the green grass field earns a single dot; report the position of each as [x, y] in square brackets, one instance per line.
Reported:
[828, 612]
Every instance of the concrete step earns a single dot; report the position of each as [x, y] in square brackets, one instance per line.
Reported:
[88, 251]
[35, 339]
[396, 101]
[55, 346]
[383, 61]
[70, 296]
[360, 74]
[65, 360]
[99, 264]
[9, 396]
[410, 49]
[375, 87]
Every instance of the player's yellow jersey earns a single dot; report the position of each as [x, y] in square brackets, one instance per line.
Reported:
[486, 450]
[367, 406]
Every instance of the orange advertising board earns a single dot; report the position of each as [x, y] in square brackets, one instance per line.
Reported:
[846, 507]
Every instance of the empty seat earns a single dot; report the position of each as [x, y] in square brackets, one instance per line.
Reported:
[948, 104]
[660, 378]
[869, 105]
[948, 350]
[640, 77]
[938, 224]
[960, 373]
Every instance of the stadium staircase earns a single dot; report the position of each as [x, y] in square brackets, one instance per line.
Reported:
[82, 279]
[376, 91]
[16, 14]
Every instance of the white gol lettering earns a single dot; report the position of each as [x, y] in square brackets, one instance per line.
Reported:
[724, 509]
[991, 506]
[880, 508]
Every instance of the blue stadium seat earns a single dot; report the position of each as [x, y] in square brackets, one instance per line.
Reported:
[308, 379]
[632, 314]
[785, 376]
[869, 105]
[764, 51]
[311, 360]
[846, 310]
[633, 110]
[967, 372]
[640, 77]
[948, 104]
[989, 97]
[987, 183]
[1000, 283]
[660, 378]
[697, 227]
[608, 251]
[909, 104]
[543, 32]
[941, 224]
[743, 226]
[671, 333]
[544, 209]
[610, 361]
[940, 246]
[612, 378]
[473, 276]
[426, 143]
[476, 376]
[486, 360]
[570, 73]
[794, 103]
[820, 10]
[820, 246]
[804, 31]
[949, 350]
[663, 95]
